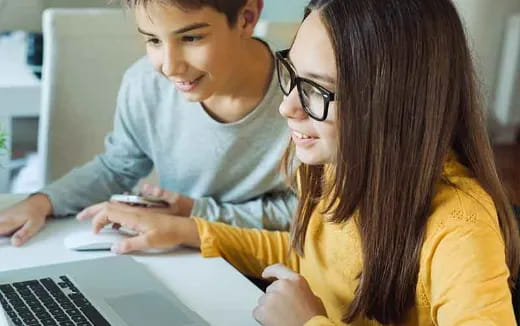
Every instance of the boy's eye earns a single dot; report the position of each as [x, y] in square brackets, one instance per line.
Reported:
[153, 41]
[192, 38]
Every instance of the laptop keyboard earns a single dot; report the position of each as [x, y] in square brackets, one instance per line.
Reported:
[48, 301]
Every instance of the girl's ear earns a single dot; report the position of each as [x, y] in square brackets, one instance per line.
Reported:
[248, 17]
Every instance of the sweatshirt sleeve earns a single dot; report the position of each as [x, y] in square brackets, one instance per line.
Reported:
[249, 250]
[272, 211]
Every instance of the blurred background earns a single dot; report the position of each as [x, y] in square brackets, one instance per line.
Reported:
[29, 102]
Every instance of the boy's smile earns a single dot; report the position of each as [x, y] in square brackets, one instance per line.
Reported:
[188, 85]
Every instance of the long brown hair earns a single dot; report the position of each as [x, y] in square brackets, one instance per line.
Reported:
[407, 95]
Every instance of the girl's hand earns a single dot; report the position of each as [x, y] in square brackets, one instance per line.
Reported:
[288, 301]
[178, 204]
[156, 230]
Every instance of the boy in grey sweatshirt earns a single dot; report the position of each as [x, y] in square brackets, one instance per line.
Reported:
[202, 109]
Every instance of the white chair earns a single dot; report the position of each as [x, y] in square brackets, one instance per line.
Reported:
[86, 52]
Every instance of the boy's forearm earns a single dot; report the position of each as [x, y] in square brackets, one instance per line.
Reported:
[271, 211]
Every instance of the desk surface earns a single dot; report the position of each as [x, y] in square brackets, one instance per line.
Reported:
[209, 286]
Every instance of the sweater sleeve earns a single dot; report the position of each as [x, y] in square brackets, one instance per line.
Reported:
[469, 276]
[249, 250]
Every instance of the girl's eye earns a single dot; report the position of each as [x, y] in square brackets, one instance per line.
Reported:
[191, 38]
[153, 41]
[305, 93]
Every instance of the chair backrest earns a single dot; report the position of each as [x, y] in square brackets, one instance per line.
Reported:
[86, 52]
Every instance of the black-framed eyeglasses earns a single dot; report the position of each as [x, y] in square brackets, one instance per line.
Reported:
[315, 99]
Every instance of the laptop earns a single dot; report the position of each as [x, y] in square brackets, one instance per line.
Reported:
[115, 291]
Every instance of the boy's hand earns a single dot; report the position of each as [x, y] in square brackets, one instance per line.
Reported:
[24, 219]
[178, 204]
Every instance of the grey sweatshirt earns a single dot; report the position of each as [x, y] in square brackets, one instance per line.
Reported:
[230, 169]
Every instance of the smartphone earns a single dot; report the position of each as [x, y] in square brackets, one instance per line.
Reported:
[141, 201]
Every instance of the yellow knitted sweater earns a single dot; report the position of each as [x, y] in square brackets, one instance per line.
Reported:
[463, 274]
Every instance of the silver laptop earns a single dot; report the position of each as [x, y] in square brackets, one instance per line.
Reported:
[112, 291]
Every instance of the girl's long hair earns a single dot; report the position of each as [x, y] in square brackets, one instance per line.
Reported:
[407, 95]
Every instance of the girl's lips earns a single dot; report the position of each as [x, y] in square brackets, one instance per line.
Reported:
[303, 140]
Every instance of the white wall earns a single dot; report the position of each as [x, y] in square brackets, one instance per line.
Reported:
[485, 21]
[20, 14]
[284, 10]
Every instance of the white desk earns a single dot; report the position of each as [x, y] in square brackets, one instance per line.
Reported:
[19, 92]
[209, 286]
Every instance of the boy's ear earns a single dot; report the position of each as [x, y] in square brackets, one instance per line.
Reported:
[249, 16]
[260, 6]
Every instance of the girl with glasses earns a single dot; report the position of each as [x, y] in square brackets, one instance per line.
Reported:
[401, 219]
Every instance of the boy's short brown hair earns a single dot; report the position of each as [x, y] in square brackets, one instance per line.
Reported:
[230, 8]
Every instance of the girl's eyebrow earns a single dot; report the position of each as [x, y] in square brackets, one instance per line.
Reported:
[324, 78]
[314, 76]
[180, 30]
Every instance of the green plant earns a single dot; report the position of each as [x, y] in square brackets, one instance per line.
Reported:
[2, 140]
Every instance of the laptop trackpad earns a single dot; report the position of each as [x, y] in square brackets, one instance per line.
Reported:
[149, 308]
